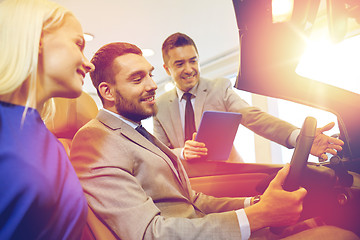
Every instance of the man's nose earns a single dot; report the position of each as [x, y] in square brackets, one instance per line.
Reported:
[151, 85]
[188, 69]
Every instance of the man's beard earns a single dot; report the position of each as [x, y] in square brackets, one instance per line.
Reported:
[130, 110]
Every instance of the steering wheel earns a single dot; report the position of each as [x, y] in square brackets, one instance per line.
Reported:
[301, 154]
[299, 159]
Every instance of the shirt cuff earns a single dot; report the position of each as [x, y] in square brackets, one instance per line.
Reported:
[293, 137]
[243, 224]
[182, 154]
[247, 202]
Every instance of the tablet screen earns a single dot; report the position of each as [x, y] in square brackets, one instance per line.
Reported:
[218, 130]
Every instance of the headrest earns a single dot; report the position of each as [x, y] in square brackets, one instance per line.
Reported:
[71, 115]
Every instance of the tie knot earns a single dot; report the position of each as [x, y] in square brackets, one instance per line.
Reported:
[145, 133]
[187, 96]
[141, 130]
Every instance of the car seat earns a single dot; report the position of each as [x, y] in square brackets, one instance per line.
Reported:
[70, 116]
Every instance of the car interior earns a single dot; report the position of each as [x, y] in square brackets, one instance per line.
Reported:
[70, 116]
[268, 68]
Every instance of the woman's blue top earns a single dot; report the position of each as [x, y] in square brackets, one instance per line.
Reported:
[40, 194]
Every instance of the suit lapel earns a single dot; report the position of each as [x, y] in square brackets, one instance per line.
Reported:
[200, 101]
[160, 149]
[181, 173]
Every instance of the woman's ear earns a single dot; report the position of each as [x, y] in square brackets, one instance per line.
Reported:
[41, 44]
[106, 91]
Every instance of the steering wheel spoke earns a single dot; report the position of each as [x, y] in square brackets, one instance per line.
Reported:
[301, 154]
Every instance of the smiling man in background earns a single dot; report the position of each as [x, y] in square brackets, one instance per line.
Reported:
[181, 62]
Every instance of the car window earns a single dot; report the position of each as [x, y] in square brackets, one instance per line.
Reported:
[251, 147]
[334, 64]
[296, 113]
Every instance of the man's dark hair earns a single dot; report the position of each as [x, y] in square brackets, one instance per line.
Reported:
[103, 61]
[176, 40]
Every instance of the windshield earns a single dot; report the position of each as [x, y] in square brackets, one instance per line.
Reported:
[332, 53]
[334, 64]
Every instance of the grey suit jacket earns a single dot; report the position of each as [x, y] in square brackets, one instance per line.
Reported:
[215, 95]
[135, 189]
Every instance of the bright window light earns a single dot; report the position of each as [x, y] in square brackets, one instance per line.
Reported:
[334, 64]
[244, 141]
[282, 10]
[88, 37]
[168, 86]
[147, 52]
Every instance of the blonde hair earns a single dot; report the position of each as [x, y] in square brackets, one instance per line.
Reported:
[22, 23]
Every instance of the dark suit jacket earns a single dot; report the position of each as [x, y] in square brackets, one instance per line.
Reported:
[135, 189]
[215, 95]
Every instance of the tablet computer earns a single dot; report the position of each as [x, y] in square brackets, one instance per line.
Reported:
[217, 130]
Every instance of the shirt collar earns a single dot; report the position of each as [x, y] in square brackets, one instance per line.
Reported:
[129, 122]
[180, 93]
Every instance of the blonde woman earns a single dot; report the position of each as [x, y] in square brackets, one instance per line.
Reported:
[41, 56]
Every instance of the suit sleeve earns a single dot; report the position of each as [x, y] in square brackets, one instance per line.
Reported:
[210, 204]
[115, 191]
[254, 118]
